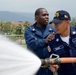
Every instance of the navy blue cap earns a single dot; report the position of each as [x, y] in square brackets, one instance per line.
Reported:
[60, 16]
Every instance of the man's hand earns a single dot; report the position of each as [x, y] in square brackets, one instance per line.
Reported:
[50, 37]
[54, 68]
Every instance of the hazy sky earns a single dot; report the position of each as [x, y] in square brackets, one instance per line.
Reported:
[32, 5]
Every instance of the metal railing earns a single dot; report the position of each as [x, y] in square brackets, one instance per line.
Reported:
[19, 39]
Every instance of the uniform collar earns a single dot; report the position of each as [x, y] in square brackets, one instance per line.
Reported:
[47, 31]
[72, 32]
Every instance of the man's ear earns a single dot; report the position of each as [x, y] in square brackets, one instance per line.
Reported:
[36, 17]
[68, 22]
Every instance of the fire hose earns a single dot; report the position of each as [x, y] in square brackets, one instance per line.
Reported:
[56, 60]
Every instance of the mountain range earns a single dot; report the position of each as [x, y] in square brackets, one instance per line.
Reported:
[16, 16]
[8, 16]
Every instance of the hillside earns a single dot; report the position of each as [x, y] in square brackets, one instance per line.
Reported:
[16, 16]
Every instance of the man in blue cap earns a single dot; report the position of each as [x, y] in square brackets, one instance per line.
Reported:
[37, 37]
[64, 42]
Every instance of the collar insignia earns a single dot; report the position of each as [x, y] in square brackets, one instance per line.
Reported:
[57, 39]
[50, 29]
[33, 29]
[74, 32]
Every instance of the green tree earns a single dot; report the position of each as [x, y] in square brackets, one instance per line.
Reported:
[1, 26]
[73, 21]
[26, 24]
[18, 29]
[6, 27]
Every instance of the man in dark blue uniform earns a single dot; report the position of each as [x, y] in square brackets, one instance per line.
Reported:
[37, 37]
[64, 43]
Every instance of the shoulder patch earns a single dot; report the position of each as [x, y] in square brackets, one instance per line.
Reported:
[49, 49]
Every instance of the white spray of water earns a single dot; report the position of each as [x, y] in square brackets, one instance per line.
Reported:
[15, 60]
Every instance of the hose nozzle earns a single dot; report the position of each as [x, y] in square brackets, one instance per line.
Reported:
[46, 62]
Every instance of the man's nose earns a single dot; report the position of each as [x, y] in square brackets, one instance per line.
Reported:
[47, 16]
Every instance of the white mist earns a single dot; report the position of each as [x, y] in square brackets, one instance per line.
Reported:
[15, 60]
